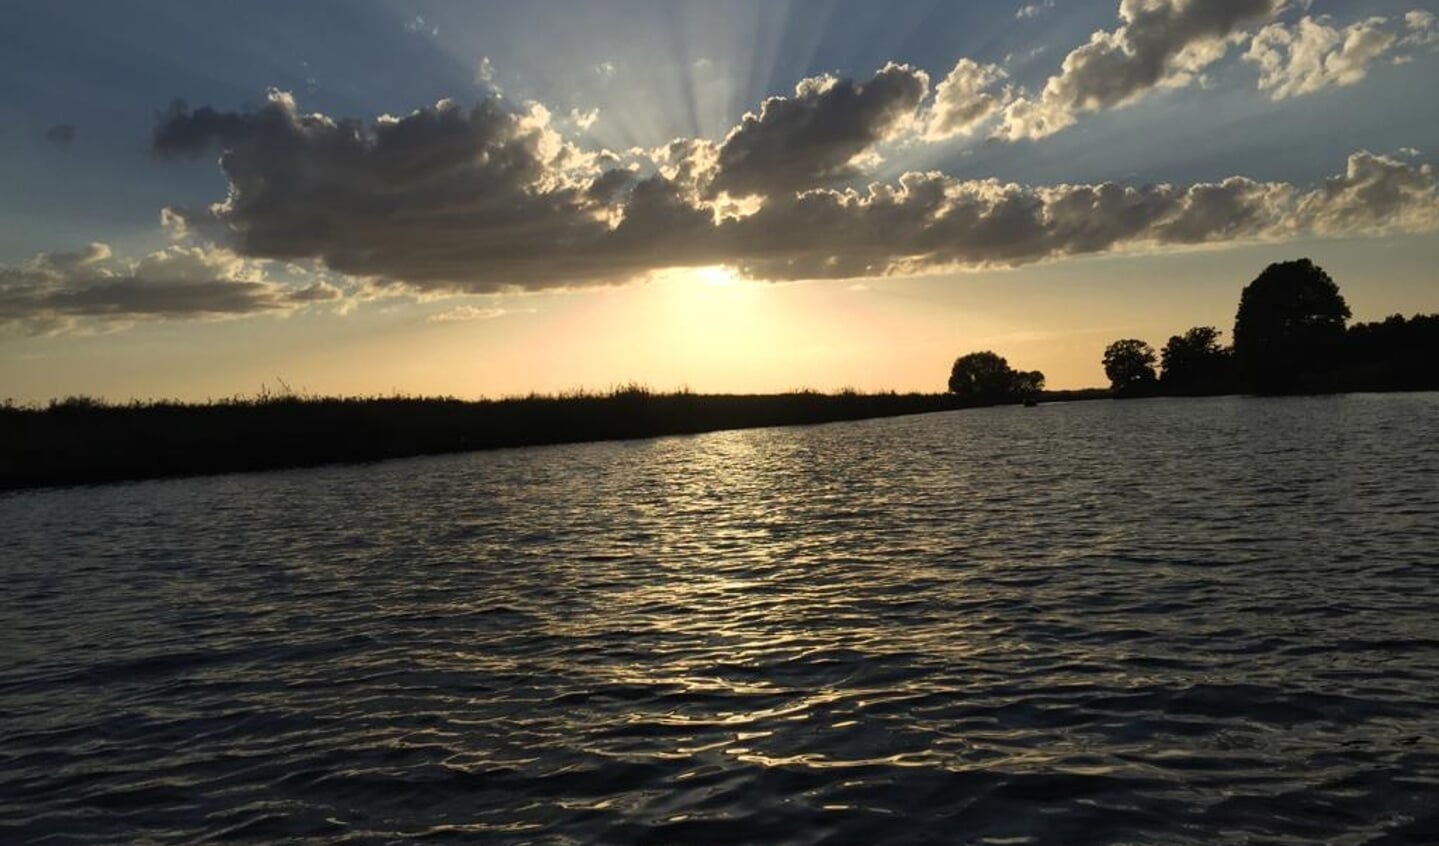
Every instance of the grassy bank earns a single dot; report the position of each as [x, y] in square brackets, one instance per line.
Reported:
[81, 441]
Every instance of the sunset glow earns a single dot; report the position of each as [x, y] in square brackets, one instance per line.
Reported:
[734, 196]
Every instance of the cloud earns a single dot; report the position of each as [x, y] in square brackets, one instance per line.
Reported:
[814, 137]
[64, 263]
[1033, 10]
[1423, 29]
[59, 291]
[1170, 44]
[61, 134]
[1313, 54]
[1374, 194]
[485, 75]
[1160, 43]
[932, 221]
[420, 26]
[467, 313]
[316, 292]
[493, 199]
[962, 102]
[491, 196]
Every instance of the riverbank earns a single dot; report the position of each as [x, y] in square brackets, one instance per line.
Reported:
[82, 441]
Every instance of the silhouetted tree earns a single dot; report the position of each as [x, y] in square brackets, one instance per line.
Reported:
[980, 375]
[1129, 364]
[987, 377]
[1028, 384]
[1195, 363]
[1392, 354]
[1289, 335]
[1290, 327]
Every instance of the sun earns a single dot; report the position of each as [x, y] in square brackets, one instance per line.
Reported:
[715, 276]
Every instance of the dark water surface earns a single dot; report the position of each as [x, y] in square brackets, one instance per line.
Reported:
[1160, 621]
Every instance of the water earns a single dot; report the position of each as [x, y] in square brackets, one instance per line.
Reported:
[1160, 621]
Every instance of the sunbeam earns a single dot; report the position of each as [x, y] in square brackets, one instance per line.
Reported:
[293, 188]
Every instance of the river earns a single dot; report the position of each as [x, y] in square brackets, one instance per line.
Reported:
[1158, 621]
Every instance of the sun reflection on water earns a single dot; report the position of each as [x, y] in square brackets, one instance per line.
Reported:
[753, 624]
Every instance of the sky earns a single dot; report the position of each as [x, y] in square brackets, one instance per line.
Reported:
[207, 199]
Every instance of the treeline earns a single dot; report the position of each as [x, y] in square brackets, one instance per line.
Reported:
[1290, 336]
[82, 440]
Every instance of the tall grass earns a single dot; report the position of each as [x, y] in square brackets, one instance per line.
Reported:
[82, 439]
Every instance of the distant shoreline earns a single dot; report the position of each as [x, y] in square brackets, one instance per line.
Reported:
[81, 441]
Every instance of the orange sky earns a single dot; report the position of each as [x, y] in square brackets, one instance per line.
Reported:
[715, 334]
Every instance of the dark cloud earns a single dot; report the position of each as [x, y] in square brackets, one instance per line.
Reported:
[487, 197]
[1235, 209]
[812, 138]
[180, 131]
[61, 134]
[317, 292]
[1159, 42]
[491, 198]
[135, 297]
[930, 221]
[68, 290]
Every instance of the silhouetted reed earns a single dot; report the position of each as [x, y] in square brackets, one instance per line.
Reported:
[80, 440]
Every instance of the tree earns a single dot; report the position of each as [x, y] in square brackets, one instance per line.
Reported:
[1289, 330]
[987, 377]
[1129, 364]
[1194, 362]
[1028, 384]
[1393, 354]
[981, 375]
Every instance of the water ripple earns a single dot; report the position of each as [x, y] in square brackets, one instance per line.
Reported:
[1178, 622]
